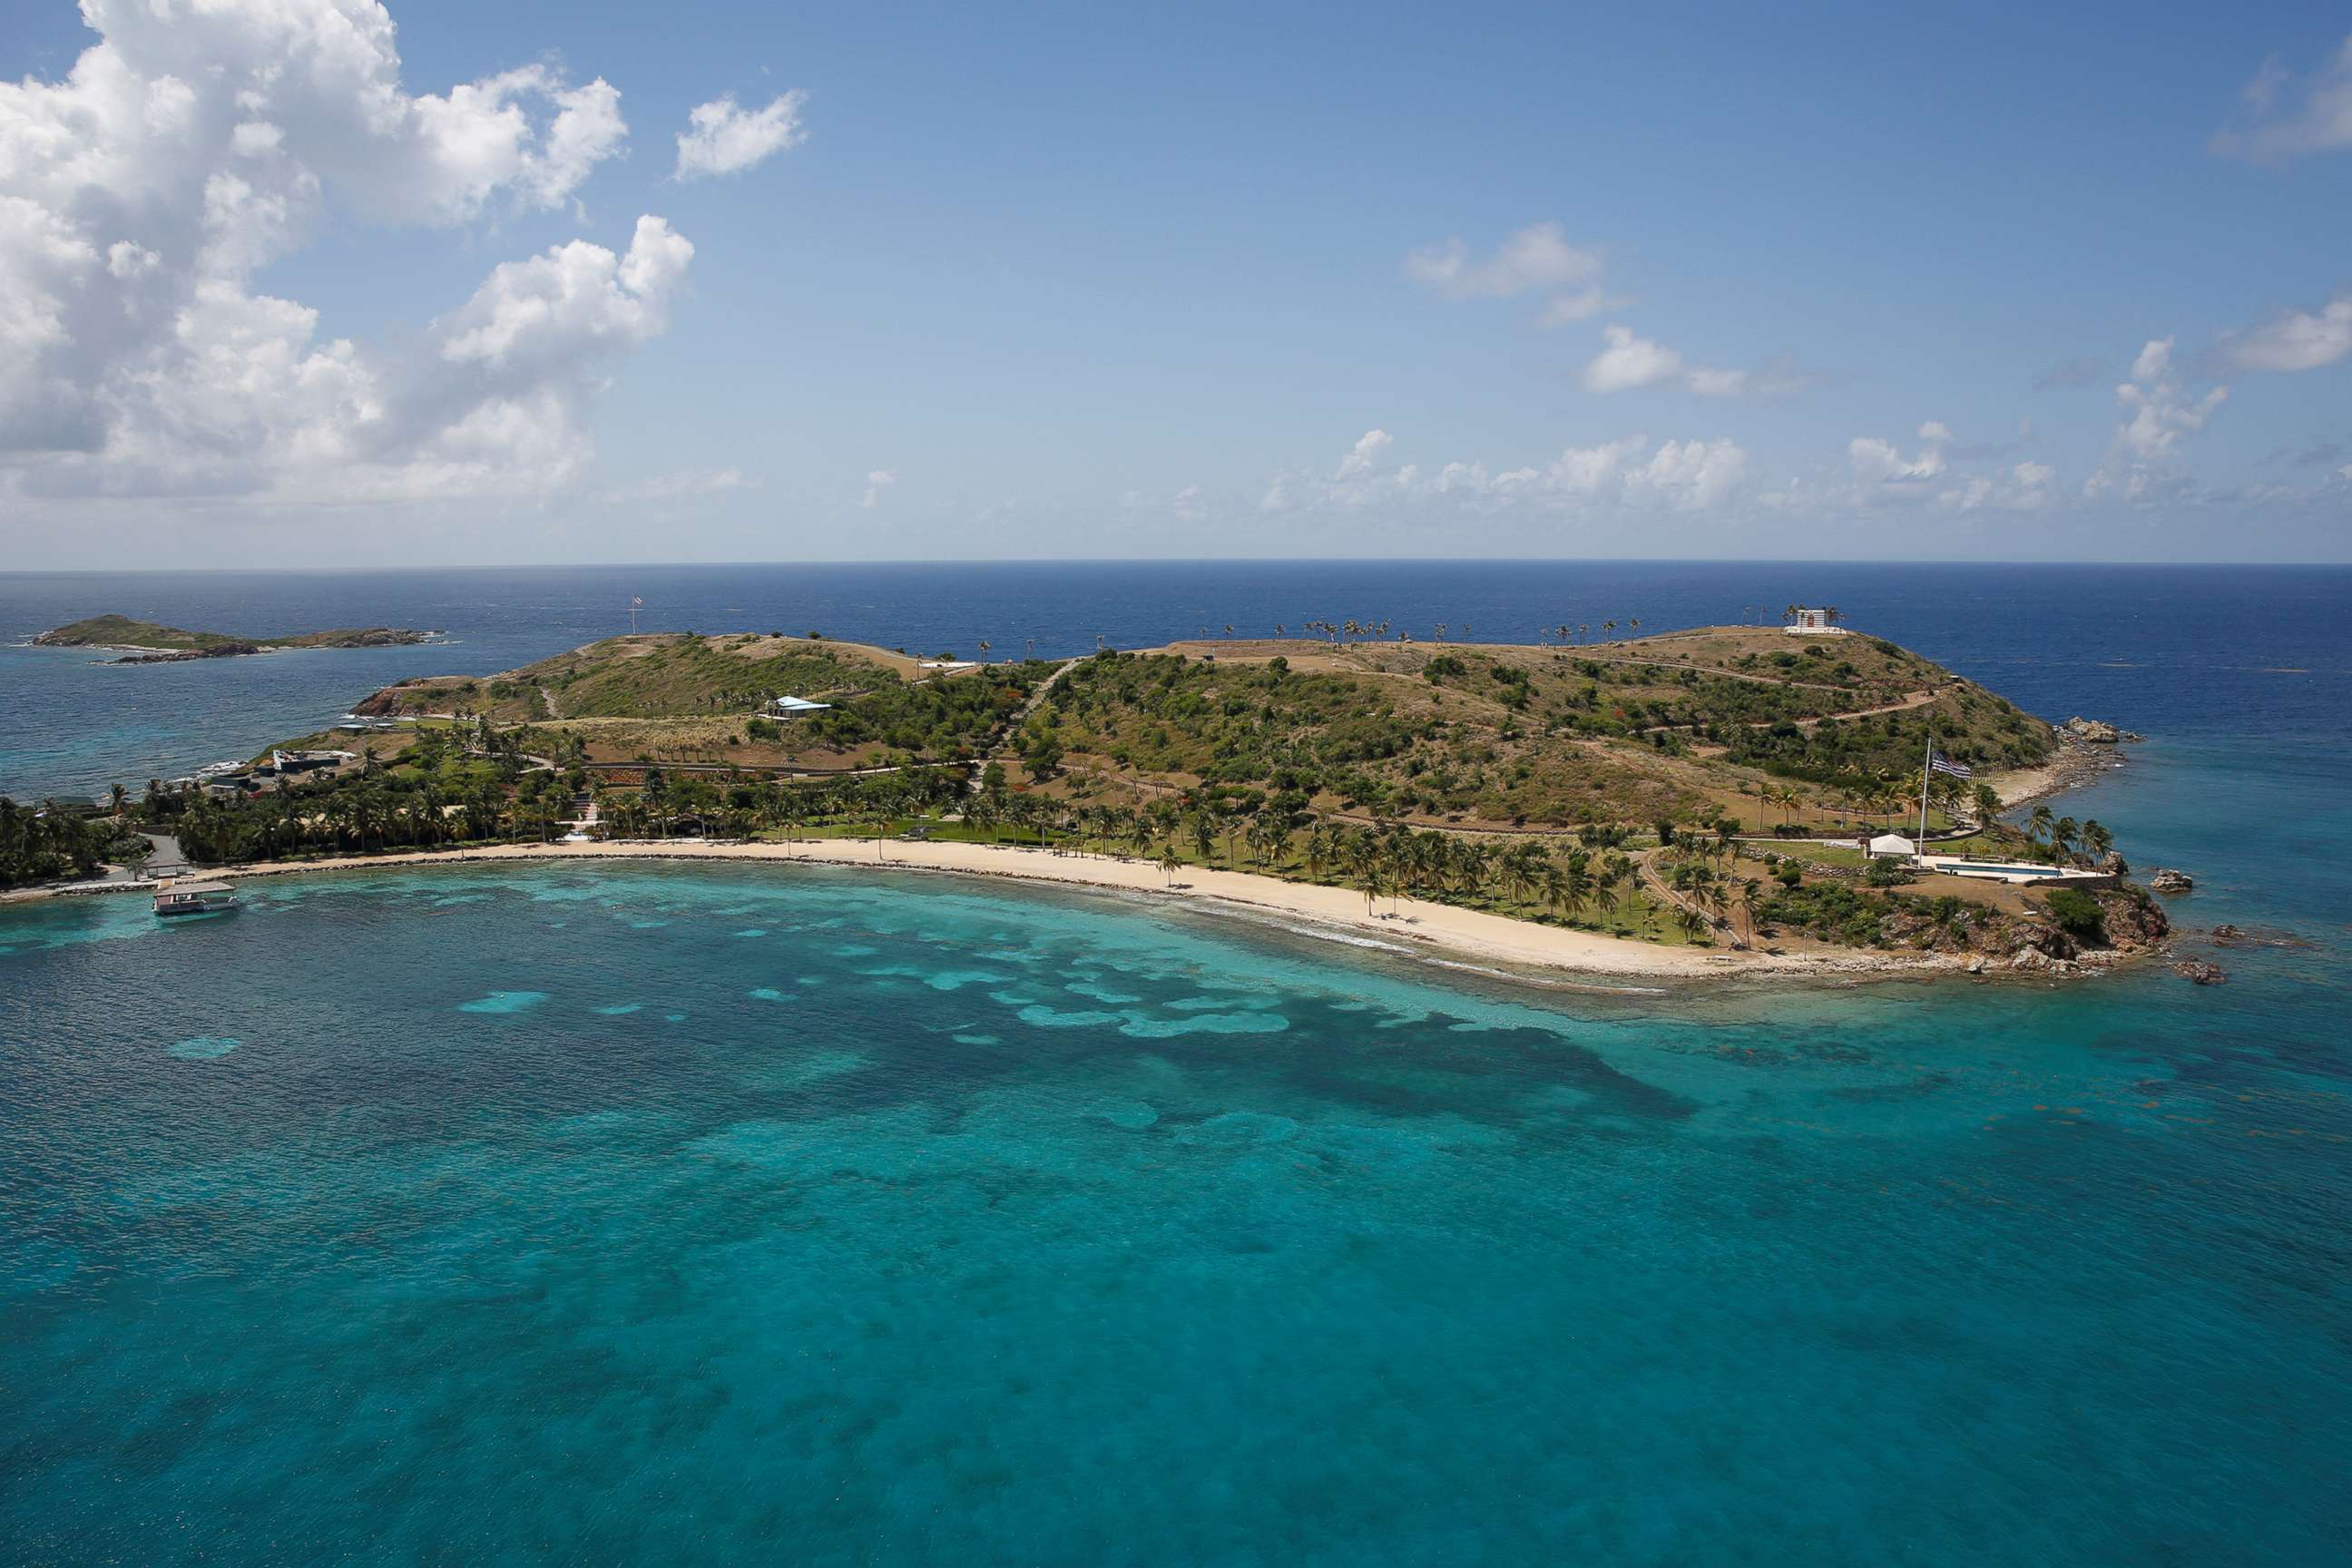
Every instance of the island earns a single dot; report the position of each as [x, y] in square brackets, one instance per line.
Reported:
[147, 642]
[1718, 799]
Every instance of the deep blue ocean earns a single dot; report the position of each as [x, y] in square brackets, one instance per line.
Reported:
[647, 1214]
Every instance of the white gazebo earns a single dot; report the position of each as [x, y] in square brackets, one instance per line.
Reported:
[1893, 844]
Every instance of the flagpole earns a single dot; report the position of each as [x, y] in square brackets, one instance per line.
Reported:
[1925, 769]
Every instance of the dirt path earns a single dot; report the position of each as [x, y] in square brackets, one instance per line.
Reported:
[1012, 724]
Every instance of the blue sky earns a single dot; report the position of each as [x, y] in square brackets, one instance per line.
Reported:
[1068, 281]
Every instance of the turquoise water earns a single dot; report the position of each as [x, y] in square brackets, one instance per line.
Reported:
[650, 1214]
[645, 1214]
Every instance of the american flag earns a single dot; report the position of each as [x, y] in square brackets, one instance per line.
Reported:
[1944, 764]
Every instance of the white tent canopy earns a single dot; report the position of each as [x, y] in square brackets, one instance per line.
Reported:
[1893, 844]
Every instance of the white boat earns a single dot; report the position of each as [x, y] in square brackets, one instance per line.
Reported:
[194, 898]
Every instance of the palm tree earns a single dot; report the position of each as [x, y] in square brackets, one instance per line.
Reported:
[1577, 880]
[1514, 874]
[1364, 860]
[1620, 871]
[2097, 840]
[1318, 850]
[1171, 862]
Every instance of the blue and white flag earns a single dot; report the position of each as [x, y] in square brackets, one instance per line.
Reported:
[1944, 764]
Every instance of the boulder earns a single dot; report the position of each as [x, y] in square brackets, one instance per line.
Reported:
[2228, 935]
[2197, 972]
[2166, 880]
[2097, 731]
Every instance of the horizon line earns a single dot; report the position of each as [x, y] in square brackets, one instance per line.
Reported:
[1161, 561]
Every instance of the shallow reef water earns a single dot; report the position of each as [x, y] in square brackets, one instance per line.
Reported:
[530, 1213]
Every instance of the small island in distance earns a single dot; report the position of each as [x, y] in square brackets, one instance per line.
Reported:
[147, 642]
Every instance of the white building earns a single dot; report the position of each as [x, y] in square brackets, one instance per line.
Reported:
[1812, 623]
[1893, 844]
[793, 707]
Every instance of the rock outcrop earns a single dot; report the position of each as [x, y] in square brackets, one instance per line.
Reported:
[224, 650]
[2096, 732]
[2198, 972]
[2166, 880]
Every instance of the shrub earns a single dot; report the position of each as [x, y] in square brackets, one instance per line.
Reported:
[2078, 914]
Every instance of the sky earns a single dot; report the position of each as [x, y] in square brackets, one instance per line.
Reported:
[330, 282]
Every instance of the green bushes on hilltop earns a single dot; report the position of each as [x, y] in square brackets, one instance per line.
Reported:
[934, 718]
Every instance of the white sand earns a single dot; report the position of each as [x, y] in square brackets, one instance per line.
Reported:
[1491, 939]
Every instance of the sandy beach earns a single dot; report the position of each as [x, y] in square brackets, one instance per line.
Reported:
[2074, 765]
[1410, 924]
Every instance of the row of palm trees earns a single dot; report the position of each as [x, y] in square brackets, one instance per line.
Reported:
[2063, 837]
[38, 842]
[1389, 860]
[1566, 634]
[1885, 795]
[361, 816]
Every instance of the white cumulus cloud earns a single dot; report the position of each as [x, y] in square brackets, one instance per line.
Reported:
[2143, 462]
[724, 138]
[2162, 412]
[1365, 454]
[1626, 362]
[1882, 471]
[2297, 340]
[194, 143]
[878, 480]
[1538, 259]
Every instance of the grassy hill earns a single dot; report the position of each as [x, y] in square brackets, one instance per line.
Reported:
[1684, 726]
[680, 697]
